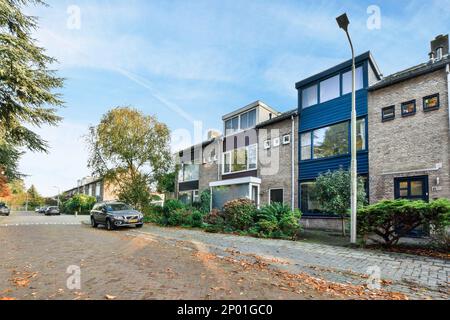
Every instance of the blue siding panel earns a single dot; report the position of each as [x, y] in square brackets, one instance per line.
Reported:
[333, 111]
[310, 169]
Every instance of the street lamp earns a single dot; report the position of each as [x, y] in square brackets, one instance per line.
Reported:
[343, 23]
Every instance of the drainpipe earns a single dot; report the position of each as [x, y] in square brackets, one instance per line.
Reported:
[293, 163]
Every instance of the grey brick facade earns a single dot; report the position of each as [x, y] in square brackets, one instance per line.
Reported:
[274, 164]
[416, 145]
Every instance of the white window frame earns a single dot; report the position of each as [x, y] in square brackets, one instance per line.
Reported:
[276, 142]
[267, 144]
[231, 164]
[287, 139]
[239, 122]
[250, 187]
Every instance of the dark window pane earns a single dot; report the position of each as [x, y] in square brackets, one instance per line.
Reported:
[388, 113]
[416, 188]
[276, 196]
[408, 108]
[431, 102]
[309, 203]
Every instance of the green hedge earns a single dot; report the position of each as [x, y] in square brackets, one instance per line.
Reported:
[393, 219]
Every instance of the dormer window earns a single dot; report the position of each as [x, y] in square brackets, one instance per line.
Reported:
[241, 122]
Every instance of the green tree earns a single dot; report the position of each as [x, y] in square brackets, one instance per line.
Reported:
[132, 151]
[332, 190]
[34, 198]
[26, 85]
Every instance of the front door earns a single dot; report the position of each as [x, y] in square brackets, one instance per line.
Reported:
[412, 188]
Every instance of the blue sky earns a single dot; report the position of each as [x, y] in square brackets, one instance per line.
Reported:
[204, 59]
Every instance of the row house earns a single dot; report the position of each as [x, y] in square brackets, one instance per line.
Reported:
[255, 158]
[94, 187]
[403, 146]
[409, 130]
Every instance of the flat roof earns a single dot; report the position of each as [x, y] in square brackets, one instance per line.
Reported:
[281, 117]
[346, 64]
[250, 106]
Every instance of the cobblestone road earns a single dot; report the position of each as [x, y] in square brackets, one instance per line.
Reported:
[414, 275]
[169, 263]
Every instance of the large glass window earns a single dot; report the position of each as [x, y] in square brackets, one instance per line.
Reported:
[306, 146]
[347, 80]
[188, 172]
[331, 141]
[232, 126]
[308, 201]
[309, 96]
[361, 134]
[248, 120]
[241, 159]
[330, 89]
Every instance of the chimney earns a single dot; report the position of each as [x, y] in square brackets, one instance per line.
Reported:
[213, 134]
[439, 48]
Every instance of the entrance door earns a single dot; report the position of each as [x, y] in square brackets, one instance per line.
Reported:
[412, 188]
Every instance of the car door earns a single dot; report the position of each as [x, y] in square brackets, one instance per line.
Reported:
[102, 213]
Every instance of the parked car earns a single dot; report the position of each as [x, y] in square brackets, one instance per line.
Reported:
[37, 209]
[52, 211]
[42, 209]
[4, 210]
[115, 214]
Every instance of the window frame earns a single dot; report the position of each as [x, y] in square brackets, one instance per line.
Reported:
[276, 189]
[248, 163]
[317, 90]
[427, 109]
[383, 118]
[313, 146]
[276, 142]
[403, 104]
[286, 139]
[267, 144]
[339, 90]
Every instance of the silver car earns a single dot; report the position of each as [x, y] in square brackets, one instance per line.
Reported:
[4, 210]
[52, 211]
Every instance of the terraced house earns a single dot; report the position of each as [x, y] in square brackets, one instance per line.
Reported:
[403, 146]
[255, 159]
[409, 130]
[324, 107]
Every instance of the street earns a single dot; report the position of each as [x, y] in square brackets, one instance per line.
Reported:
[42, 257]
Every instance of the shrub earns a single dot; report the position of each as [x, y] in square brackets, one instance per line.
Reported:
[153, 214]
[273, 212]
[289, 225]
[80, 203]
[196, 219]
[205, 201]
[393, 219]
[239, 214]
[179, 217]
[170, 209]
[278, 221]
[215, 217]
[267, 226]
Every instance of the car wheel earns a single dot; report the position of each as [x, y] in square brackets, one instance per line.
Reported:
[93, 223]
[139, 226]
[109, 225]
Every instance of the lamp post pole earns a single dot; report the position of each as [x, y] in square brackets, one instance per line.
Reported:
[343, 23]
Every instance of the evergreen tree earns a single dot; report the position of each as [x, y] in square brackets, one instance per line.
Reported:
[26, 85]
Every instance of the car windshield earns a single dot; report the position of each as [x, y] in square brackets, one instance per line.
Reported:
[118, 207]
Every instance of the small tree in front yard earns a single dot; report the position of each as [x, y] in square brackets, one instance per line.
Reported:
[332, 190]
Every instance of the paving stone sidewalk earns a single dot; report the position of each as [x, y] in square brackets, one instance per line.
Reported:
[416, 276]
